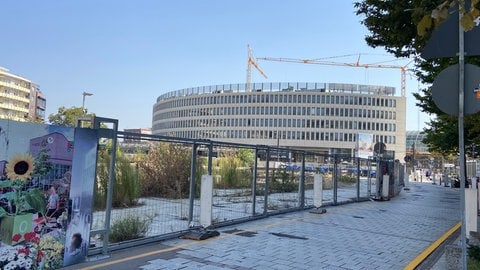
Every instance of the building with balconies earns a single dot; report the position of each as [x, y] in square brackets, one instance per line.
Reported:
[20, 98]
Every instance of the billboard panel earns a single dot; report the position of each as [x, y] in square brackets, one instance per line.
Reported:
[42, 168]
[364, 145]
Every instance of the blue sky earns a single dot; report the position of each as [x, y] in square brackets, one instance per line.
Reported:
[127, 53]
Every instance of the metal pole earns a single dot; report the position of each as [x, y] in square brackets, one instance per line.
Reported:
[334, 179]
[254, 183]
[267, 176]
[302, 184]
[193, 172]
[210, 154]
[358, 179]
[111, 180]
[461, 143]
[83, 101]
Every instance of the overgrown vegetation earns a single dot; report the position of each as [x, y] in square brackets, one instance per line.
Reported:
[165, 171]
[473, 257]
[129, 227]
[283, 181]
[235, 169]
[347, 179]
[126, 183]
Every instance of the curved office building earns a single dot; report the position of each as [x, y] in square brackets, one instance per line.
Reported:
[322, 117]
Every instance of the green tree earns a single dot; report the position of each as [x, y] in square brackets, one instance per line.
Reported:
[68, 117]
[403, 28]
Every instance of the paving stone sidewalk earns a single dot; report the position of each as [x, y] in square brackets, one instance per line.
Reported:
[366, 235]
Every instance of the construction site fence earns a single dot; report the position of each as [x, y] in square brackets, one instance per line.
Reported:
[277, 180]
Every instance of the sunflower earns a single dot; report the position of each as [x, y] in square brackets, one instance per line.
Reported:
[20, 167]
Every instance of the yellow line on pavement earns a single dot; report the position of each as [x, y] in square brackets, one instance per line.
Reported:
[96, 266]
[420, 258]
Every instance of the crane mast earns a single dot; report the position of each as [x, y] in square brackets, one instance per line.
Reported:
[252, 62]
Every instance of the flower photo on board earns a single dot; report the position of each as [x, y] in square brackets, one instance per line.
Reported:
[20, 167]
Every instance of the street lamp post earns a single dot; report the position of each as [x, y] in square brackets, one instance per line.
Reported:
[83, 100]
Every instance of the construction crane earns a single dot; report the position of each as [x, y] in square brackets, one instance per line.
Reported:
[403, 69]
[252, 61]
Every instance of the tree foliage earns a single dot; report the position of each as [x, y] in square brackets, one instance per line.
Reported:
[403, 28]
[246, 156]
[68, 116]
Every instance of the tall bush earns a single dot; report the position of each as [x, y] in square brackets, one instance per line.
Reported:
[126, 182]
[234, 169]
[165, 171]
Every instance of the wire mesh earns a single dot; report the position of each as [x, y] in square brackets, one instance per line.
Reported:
[248, 181]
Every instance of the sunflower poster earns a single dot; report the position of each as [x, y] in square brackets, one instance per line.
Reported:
[46, 174]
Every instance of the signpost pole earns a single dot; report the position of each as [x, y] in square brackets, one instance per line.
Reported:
[461, 142]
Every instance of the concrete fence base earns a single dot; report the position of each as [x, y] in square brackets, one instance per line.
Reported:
[453, 257]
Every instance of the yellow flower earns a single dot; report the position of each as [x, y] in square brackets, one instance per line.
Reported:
[20, 167]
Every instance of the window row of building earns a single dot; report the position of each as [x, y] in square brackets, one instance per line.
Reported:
[319, 120]
[297, 98]
[278, 123]
[274, 135]
[278, 110]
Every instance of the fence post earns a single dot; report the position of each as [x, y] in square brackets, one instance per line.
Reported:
[111, 178]
[358, 179]
[267, 174]
[254, 182]
[334, 179]
[210, 155]
[301, 188]
[193, 172]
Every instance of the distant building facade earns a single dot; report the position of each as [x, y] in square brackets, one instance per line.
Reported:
[20, 98]
[136, 138]
[321, 117]
[414, 141]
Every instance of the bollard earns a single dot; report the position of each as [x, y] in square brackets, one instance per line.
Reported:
[385, 186]
[318, 194]
[471, 211]
[317, 190]
[206, 200]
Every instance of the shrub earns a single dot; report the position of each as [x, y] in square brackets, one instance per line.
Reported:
[165, 171]
[474, 252]
[473, 264]
[126, 182]
[128, 228]
[232, 174]
[347, 179]
[282, 181]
